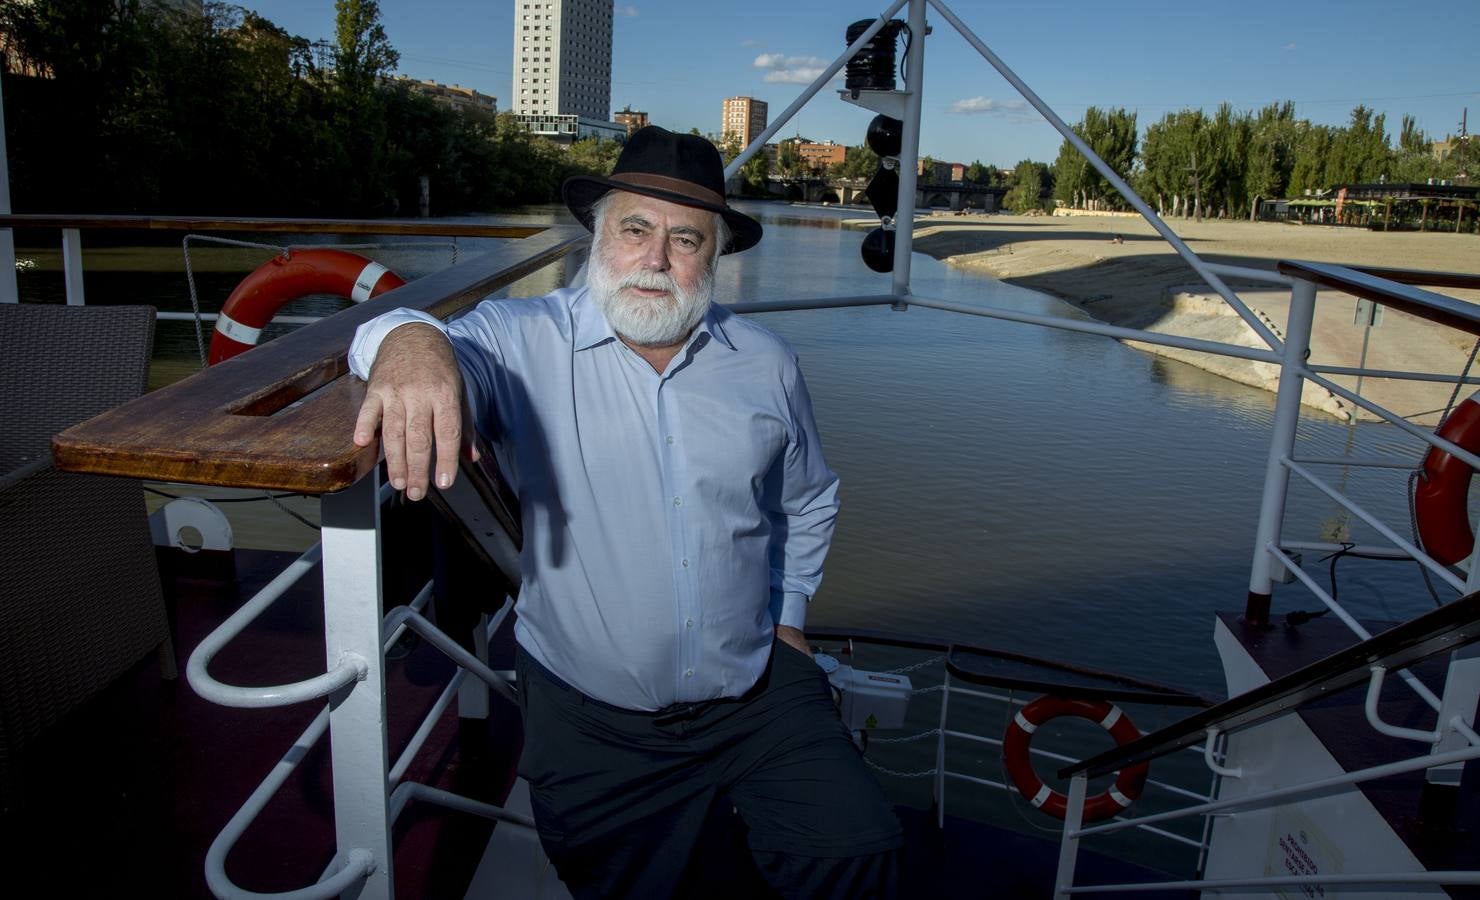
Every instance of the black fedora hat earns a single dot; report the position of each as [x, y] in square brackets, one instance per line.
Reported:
[680, 168]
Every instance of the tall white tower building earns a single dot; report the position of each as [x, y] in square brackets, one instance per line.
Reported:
[563, 58]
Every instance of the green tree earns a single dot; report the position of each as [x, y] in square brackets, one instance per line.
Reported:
[1271, 154]
[594, 156]
[757, 173]
[1031, 182]
[789, 160]
[976, 173]
[362, 52]
[858, 162]
[1112, 136]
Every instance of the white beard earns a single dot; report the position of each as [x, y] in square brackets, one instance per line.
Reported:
[647, 321]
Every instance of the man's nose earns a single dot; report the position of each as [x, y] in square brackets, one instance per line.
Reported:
[655, 255]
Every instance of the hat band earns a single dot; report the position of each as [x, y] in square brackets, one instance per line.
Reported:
[671, 185]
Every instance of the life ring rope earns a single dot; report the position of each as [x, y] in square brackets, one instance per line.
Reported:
[1129, 782]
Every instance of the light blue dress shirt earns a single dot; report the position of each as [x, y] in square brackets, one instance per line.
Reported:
[668, 519]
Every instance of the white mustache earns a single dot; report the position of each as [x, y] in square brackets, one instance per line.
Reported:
[649, 281]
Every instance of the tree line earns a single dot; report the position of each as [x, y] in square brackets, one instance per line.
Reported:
[1223, 164]
[126, 106]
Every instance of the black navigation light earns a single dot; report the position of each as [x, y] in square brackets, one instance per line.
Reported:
[872, 68]
[878, 249]
[883, 192]
[885, 135]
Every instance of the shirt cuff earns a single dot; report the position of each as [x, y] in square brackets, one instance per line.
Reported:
[793, 610]
[366, 345]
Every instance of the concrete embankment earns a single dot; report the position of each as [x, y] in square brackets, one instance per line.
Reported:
[1119, 270]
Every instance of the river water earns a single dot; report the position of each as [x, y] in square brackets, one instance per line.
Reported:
[1002, 484]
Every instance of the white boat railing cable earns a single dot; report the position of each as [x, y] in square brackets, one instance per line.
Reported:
[1110, 175]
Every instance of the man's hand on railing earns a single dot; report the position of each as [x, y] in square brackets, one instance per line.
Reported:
[415, 396]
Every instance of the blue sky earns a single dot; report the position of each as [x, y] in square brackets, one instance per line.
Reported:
[679, 60]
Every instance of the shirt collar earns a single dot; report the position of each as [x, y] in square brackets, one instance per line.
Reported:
[590, 328]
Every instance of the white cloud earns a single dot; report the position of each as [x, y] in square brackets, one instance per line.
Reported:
[790, 69]
[1292, 46]
[628, 11]
[792, 76]
[974, 105]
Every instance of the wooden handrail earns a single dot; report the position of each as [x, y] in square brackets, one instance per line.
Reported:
[1425, 304]
[424, 228]
[280, 416]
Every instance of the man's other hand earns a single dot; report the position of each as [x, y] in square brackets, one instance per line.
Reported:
[793, 636]
[415, 396]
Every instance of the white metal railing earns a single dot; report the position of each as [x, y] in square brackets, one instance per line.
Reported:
[1272, 552]
[941, 773]
[357, 864]
[1075, 832]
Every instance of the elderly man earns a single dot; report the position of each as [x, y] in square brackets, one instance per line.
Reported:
[676, 512]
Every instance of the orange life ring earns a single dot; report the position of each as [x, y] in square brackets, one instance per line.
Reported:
[285, 278]
[1441, 500]
[1128, 783]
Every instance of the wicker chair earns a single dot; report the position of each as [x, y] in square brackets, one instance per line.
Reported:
[80, 597]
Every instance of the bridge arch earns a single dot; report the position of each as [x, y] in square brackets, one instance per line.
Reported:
[938, 200]
[831, 196]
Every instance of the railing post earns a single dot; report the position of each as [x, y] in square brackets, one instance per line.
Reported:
[1069, 846]
[472, 696]
[940, 755]
[1281, 446]
[353, 609]
[72, 265]
[9, 291]
[904, 217]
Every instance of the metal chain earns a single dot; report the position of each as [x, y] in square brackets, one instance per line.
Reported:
[904, 740]
[896, 773]
[929, 690]
[200, 339]
[919, 665]
[282, 506]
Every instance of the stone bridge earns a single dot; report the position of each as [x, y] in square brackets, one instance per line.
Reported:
[853, 192]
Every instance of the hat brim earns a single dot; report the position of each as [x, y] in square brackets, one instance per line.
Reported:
[582, 191]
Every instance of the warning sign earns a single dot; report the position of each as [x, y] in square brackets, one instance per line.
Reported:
[1298, 848]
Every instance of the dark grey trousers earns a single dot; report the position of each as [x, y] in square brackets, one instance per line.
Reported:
[639, 805]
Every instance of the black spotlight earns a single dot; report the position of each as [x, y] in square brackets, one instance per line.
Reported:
[872, 68]
[885, 135]
[878, 249]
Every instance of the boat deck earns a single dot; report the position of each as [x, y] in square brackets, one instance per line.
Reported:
[1441, 826]
[132, 788]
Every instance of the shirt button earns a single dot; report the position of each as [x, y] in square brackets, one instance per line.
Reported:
[688, 673]
[678, 501]
[670, 438]
[685, 564]
[688, 623]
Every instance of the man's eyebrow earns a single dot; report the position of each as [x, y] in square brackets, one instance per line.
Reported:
[636, 219]
[690, 231]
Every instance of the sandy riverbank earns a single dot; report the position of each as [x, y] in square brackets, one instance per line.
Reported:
[1142, 283]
